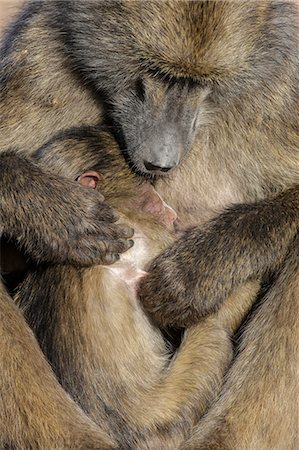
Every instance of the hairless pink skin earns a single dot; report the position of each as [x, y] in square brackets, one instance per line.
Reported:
[129, 269]
[89, 179]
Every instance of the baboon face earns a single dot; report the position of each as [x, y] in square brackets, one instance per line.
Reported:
[161, 64]
[144, 57]
[159, 119]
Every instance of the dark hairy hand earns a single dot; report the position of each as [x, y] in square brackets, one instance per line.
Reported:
[56, 220]
[195, 275]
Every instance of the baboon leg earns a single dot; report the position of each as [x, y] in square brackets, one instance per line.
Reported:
[194, 378]
[35, 412]
[258, 407]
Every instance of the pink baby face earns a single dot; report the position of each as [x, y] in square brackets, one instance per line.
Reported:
[149, 201]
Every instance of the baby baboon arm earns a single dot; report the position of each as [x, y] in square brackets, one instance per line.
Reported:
[57, 220]
[35, 412]
[195, 275]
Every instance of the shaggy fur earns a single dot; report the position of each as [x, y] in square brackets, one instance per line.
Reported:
[213, 88]
[90, 324]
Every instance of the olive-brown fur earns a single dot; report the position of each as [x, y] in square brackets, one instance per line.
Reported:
[216, 83]
[102, 346]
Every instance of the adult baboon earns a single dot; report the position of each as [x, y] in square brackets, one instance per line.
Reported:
[209, 86]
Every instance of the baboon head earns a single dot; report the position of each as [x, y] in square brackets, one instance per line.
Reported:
[164, 67]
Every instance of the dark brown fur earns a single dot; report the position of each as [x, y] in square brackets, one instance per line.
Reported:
[228, 68]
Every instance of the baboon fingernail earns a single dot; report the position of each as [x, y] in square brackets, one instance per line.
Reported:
[130, 232]
[110, 259]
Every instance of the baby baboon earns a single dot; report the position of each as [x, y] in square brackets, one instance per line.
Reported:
[89, 322]
[210, 87]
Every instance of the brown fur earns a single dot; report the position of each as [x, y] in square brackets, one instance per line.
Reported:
[240, 61]
[90, 325]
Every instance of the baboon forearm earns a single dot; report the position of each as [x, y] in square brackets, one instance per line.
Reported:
[25, 210]
[246, 242]
[54, 219]
[199, 271]
[13, 170]
[23, 196]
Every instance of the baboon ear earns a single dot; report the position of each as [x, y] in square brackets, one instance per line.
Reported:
[89, 179]
[153, 203]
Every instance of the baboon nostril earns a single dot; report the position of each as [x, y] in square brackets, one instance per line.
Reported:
[154, 168]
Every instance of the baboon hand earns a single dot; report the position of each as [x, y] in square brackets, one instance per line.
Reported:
[195, 275]
[56, 220]
[82, 230]
[176, 292]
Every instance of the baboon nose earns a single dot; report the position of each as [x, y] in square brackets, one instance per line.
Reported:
[154, 168]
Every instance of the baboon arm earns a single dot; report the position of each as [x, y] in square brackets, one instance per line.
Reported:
[258, 405]
[195, 275]
[54, 219]
[35, 412]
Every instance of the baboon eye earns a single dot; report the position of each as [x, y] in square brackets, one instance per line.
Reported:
[140, 90]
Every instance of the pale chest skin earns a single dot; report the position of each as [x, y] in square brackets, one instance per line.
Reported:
[149, 241]
[132, 264]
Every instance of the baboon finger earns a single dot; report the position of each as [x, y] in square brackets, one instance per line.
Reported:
[106, 246]
[99, 251]
[110, 259]
[113, 232]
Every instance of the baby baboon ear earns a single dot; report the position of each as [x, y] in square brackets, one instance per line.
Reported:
[89, 179]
